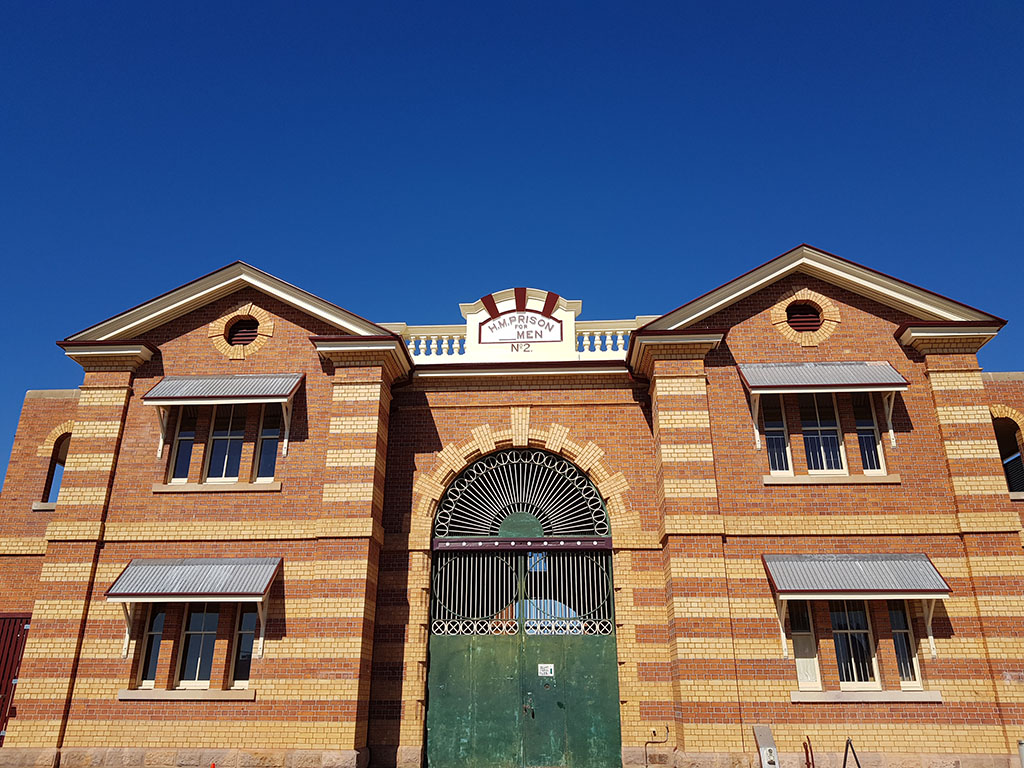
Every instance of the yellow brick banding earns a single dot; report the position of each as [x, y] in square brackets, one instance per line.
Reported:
[351, 457]
[102, 397]
[988, 485]
[355, 392]
[700, 487]
[94, 429]
[963, 414]
[681, 385]
[348, 492]
[81, 496]
[89, 462]
[671, 454]
[972, 449]
[683, 420]
[354, 425]
[953, 380]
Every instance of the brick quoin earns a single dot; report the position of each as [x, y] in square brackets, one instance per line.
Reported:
[666, 434]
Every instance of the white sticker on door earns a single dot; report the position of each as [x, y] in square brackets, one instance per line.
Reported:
[546, 670]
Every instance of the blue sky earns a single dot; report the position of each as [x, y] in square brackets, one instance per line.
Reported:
[400, 158]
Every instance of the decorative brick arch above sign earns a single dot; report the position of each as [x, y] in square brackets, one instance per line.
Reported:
[219, 329]
[455, 457]
[45, 448]
[830, 318]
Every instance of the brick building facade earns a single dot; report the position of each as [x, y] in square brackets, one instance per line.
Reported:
[810, 408]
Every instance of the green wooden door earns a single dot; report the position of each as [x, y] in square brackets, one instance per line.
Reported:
[525, 675]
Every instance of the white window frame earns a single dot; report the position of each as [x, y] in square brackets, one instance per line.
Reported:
[801, 685]
[235, 645]
[909, 685]
[785, 434]
[174, 450]
[147, 636]
[211, 439]
[194, 685]
[876, 685]
[878, 437]
[845, 469]
[259, 447]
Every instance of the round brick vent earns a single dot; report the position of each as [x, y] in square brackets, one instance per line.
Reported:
[243, 331]
[803, 317]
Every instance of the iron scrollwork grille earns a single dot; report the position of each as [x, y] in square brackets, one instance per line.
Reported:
[542, 593]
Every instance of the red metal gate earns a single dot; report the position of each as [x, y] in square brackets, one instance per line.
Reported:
[13, 632]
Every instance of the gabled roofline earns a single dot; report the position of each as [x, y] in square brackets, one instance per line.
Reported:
[864, 281]
[133, 322]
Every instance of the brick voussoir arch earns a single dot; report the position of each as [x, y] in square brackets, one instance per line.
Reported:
[45, 448]
[455, 457]
[1000, 411]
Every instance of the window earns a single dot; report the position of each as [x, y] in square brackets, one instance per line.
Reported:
[245, 637]
[197, 646]
[906, 648]
[775, 437]
[1009, 451]
[151, 645]
[822, 440]
[270, 434]
[805, 648]
[56, 472]
[226, 440]
[855, 653]
[868, 438]
[184, 440]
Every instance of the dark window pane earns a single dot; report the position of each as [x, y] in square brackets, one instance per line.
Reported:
[826, 411]
[869, 450]
[862, 410]
[218, 453]
[837, 608]
[862, 657]
[904, 656]
[272, 421]
[222, 421]
[268, 458]
[195, 620]
[808, 416]
[830, 446]
[799, 616]
[191, 653]
[857, 614]
[812, 447]
[234, 457]
[238, 420]
[844, 657]
[778, 460]
[243, 657]
[156, 620]
[897, 616]
[182, 459]
[206, 656]
[772, 410]
[210, 618]
[249, 620]
[187, 424]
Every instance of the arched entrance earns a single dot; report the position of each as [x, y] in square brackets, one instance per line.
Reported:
[523, 668]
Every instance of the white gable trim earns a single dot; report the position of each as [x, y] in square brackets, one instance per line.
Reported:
[853, 277]
[198, 293]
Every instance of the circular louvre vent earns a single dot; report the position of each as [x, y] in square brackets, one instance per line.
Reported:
[243, 332]
[803, 317]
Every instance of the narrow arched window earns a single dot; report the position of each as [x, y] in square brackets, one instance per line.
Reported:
[55, 473]
[1008, 437]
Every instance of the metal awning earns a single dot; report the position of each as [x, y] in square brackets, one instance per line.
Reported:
[201, 579]
[910, 576]
[230, 389]
[808, 378]
[822, 377]
[865, 577]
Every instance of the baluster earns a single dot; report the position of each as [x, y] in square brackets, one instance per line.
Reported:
[623, 335]
[445, 345]
[437, 345]
[411, 346]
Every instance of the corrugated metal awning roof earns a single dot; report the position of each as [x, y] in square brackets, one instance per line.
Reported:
[241, 388]
[238, 579]
[871, 576]
[822, 377]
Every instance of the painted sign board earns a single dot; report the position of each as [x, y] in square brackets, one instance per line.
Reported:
[513, 327]
[521, 325]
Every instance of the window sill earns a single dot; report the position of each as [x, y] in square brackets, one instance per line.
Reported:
[832, 480]
[1014, 496]
[214, 487]
[49, 506]
[183, 694]
[864, 697]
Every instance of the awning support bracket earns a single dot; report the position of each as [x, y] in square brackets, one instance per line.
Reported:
[780, 608]
[286, 413]
[889, 401]
[261, 609]
[126, 611]
[164, 412]
[755, 407]
[929, 612]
